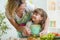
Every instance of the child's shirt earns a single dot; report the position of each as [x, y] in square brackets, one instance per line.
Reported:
[28, 27]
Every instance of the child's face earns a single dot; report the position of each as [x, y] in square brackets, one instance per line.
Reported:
[36, 18]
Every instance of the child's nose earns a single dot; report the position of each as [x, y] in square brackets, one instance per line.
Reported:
[37, 17]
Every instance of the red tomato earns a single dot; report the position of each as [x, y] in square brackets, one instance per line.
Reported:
[58, 34]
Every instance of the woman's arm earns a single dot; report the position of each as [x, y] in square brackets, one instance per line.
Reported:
[45, 28]
[27, 31]
[12, 21]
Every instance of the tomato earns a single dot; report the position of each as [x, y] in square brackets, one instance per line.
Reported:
[58, 35]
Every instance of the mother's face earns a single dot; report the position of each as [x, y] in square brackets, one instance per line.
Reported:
[21, 8]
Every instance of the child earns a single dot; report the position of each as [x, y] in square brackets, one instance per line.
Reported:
[39, 17]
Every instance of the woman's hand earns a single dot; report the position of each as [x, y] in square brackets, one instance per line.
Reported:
[43, 32]
[26, 32]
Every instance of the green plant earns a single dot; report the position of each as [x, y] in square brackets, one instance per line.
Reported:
[3, 26]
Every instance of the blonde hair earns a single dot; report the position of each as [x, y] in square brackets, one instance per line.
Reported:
[12, 5]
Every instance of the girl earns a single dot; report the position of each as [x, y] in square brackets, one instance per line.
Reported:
[39, 17]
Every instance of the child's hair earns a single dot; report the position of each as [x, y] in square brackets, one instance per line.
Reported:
[43, 14]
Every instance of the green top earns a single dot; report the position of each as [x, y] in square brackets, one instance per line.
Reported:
[24, 19]
[35, 29]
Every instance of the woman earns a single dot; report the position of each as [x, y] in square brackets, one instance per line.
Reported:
[16, 11]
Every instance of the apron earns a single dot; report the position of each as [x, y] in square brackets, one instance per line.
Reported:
[22, 21]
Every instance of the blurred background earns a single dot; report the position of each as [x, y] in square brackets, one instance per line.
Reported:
[52, 7]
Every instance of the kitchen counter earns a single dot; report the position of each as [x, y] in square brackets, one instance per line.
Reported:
[12, 38]
[57, 38]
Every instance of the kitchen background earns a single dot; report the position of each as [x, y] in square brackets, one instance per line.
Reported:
[52, 7]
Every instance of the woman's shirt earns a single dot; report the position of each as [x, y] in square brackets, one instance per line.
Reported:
[26, 14]
[26, 17]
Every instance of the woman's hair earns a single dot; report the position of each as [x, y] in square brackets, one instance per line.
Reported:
[12, 5]
[43, 15]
